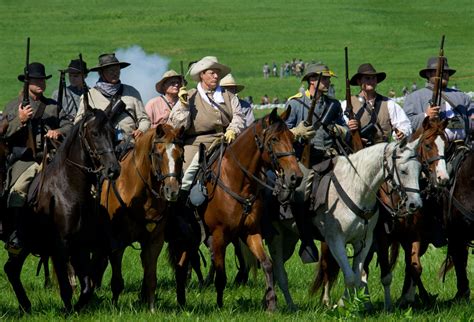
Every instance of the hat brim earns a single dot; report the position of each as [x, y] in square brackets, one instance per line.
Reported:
[422, 72]
[196, 69]
[21, 77]
[97, 68]
[75, 70]
[327, 74]
[159, 86]
[380, 77]
[238, 88]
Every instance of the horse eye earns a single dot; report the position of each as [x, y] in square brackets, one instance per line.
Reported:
[427, 147]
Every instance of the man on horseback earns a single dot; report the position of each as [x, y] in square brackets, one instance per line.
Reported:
[29, 126]
[124, 102]
[327, 122]
[376, 116]
[229, 83]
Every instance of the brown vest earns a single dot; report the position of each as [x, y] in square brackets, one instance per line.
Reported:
[382, 120]
[207, 121]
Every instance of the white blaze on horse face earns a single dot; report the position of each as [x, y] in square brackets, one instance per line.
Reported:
[169, 153]
[442, 176]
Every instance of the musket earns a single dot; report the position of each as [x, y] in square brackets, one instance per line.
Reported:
[355, 134]
[438, 84]
[85, 98]
[305, 157]
[30, 143]
[185, 82]
[62, 83]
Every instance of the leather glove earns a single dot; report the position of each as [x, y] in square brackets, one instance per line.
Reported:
[229, 136]
[183, 95]
[338, 130]
[303, 131]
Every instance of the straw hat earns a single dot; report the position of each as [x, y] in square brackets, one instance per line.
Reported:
[208, 62]
[229, 81]
[159, 86]
[432, 64]
[316, 69]
[106, 60]
[367, 70]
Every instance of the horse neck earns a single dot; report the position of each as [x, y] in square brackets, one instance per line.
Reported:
[138, 160]
[370, 173]
[75, 152]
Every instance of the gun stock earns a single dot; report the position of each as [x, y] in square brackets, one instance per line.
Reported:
[30, 141]
[355, 134]
[305, 157]
[438, 84]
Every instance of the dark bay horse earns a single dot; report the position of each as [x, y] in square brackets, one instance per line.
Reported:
[138, 203]
[234, 205]
[65, 224]
[4, 151]
[396, 227]
[459, 221]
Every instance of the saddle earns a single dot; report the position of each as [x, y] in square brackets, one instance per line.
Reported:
[320, 184]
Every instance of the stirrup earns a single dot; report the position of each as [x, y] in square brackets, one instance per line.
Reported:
[13, 245]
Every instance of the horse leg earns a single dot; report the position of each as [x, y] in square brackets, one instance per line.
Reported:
[181, 272]
[13, 268]
[327, 272]
[149, 256]
[81, 264]
[383, 247]
[212, 271]
[409, 286]
[255, 243]
[99, 260]
[219, 245]
[195, 262]
[459, 253]
[418, 250]
[242, 276]
[44, 261]
[116, 282]
[279, 247]
[65, 289]
[358, 265]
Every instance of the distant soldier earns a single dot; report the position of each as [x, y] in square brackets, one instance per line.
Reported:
[266, 71]
[38, 120]
[229, 83]
[376, 116]
[72, 94]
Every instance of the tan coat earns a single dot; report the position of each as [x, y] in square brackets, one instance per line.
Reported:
[383, 124]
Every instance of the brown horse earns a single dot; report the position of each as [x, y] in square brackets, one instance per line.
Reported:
[138, 203]
[234, 204]
[459, 220]
[394, 226]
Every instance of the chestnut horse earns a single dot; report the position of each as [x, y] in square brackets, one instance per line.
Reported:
[396, 227]
[138, 203]
[234, 205]
[65, 224]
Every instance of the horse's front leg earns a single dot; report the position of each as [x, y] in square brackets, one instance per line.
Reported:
[255, 244]
[13, 268]
[151, 249]
[459, 251]
[219, 245]
[116, 284]
[361, 250]
[382, 244]
[81, 263]
[65, 289]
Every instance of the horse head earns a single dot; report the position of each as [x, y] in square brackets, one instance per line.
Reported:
[432, 150]
[4, 151]
[404, 170]
[167, 157]
[97, 136]
[278, 154]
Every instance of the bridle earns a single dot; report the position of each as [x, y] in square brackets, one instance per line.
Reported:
[426, 163]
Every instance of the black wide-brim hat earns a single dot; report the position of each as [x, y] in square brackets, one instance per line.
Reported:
[432, 64]
[75, 67]
[367, 70]
[106, 60]
[35, 70]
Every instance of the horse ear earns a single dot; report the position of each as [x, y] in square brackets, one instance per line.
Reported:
[414, 144]
[403, 143]
[159, 130]
[273, 117]
[426, 123]
[286, 114]
[180, 133]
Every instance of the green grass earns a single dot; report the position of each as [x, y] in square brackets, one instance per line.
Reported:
[396, 36]
[240, 303]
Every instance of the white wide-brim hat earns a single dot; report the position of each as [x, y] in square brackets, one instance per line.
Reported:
[208, 62]
[229, 81]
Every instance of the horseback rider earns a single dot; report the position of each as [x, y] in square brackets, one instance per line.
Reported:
[376, 116]
[29, 126]
[71, 97]
[229, 83]
[328, 123]
[128, 114]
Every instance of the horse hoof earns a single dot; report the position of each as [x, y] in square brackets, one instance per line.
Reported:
[462, 296]
[292, 307]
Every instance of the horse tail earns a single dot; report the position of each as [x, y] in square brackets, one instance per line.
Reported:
[327, 270]
[249, 260]
[446, 266]
[394, 251]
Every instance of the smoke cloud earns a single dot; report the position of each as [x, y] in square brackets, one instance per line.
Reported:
[143, 73]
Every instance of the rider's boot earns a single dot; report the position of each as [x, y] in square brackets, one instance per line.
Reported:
[308, 251]
[14, 245]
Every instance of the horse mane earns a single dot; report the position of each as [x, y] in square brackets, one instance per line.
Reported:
[436, 127]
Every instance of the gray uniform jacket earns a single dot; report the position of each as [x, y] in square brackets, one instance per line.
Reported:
[71, 100]
[417, 102]
[300, 105]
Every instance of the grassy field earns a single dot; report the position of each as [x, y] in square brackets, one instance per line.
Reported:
[240, 303]
[397, 37]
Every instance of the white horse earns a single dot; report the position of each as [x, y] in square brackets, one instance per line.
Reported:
[341, 223]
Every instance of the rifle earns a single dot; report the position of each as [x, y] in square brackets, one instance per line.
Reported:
[182, 73]
[438, 84]
[355, 134]
[85, 97]
[30, 142]
[62, 83]
[305, 157]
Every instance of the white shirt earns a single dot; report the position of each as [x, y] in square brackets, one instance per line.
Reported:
[398, 117]
[217, 95]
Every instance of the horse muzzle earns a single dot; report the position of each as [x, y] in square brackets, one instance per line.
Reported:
[112, 172]
[170, 190]
[413, 204]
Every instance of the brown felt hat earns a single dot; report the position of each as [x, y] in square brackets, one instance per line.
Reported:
[367, 70]
[432, 64]
[159, 86]
[106, 60]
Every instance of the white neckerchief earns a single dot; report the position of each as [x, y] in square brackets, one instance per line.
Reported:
[217, 96]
